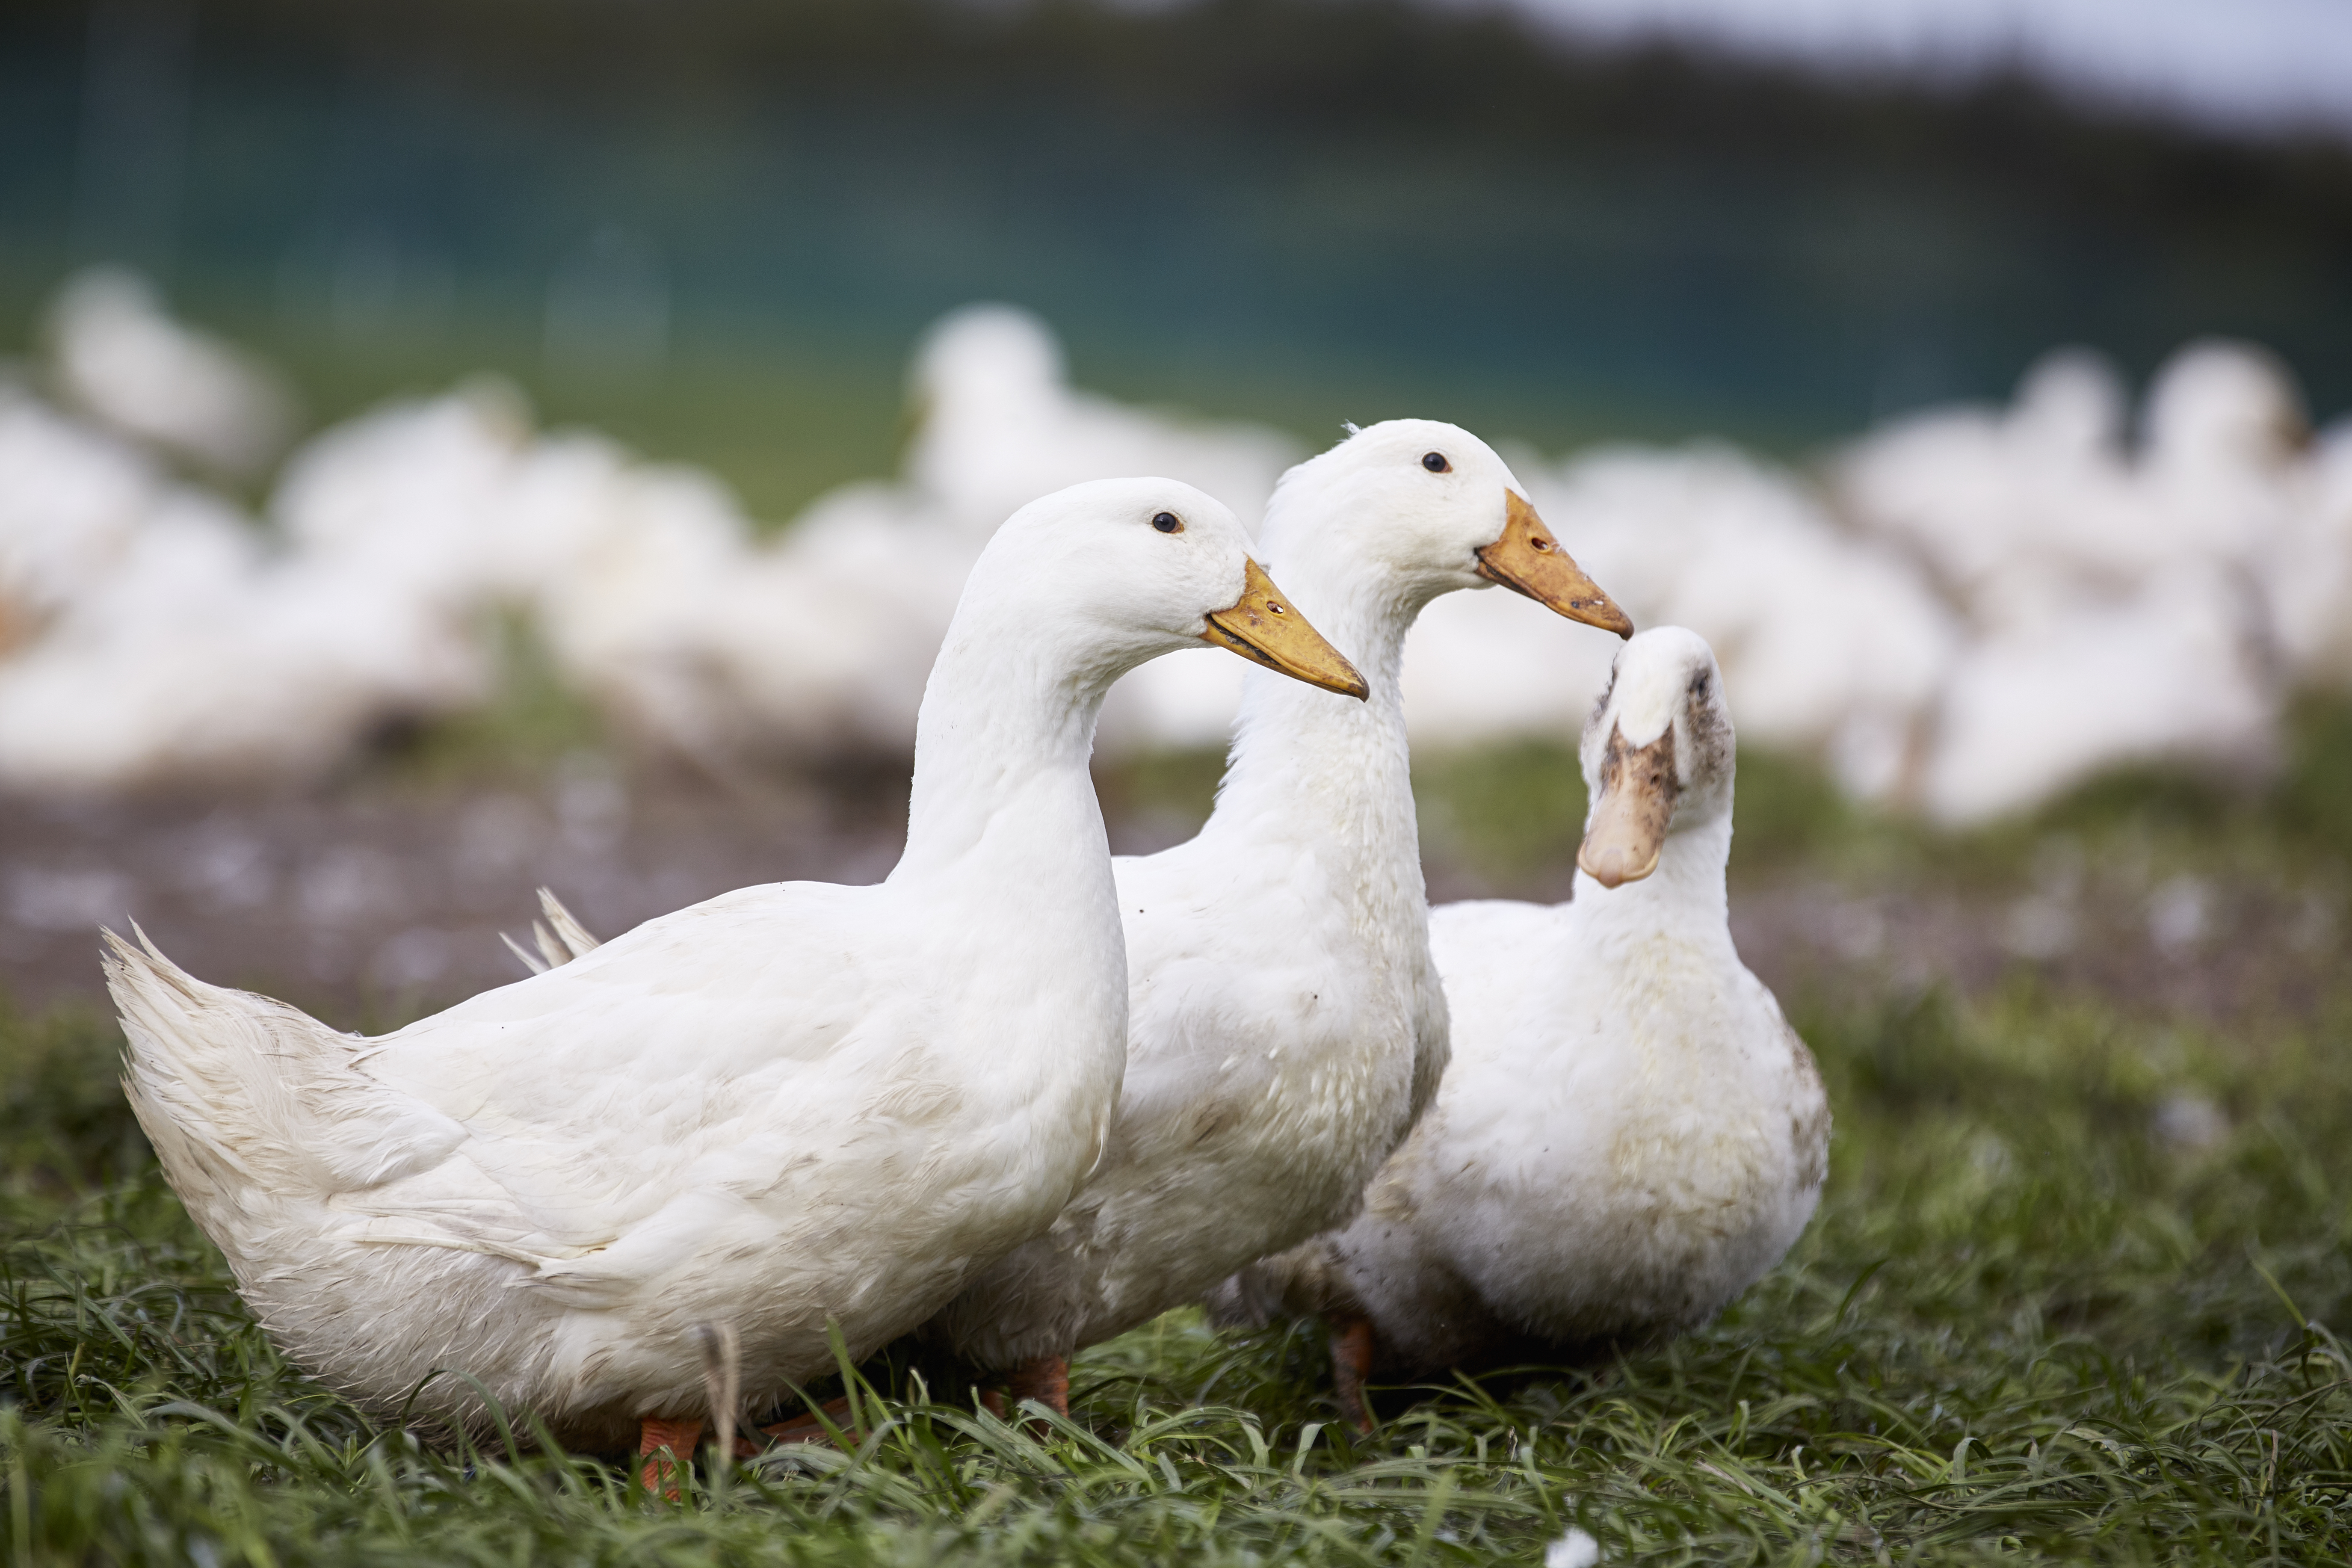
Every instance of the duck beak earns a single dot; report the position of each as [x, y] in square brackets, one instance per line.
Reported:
[1261, 625]
[1637, 800]
[1528, 559]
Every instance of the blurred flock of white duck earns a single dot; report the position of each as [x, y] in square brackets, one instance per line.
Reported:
[1960, 613]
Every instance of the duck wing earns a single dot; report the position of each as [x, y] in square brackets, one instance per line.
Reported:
[680, 1070]
[750, 1063]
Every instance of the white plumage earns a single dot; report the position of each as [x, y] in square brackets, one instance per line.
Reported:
[421, 495]
[1878, 615]
[156, 638]
[816, 644]
[120, 356]
[1288, 1024]
[71, 502]
[1628, 1133]
[1001, 422]
[791, 1106]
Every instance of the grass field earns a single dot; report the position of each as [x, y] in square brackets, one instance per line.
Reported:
[2069, 1298]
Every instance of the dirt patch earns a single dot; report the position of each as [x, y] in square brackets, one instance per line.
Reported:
[374, 902]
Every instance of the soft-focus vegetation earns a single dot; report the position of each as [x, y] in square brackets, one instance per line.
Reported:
[1294, 210]
[1513, 815]
[531, 722]
[2069, 1297]
[2072, 1295]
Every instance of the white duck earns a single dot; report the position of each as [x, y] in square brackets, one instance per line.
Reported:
[2171, 673]
[194, 654]
[72, 503]
[2307, 573]
[791, 1107]
[421, 496]
[120, 356]
[1287, 1026]
[817, 643]
[1707, 537]
[999, 421]
[1629, 1134]
[1985, 496]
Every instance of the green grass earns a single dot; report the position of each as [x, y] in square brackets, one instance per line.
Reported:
[2024, 1327]
[530, 723]
[2033, 1322]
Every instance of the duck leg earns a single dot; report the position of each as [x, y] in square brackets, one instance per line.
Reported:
[665, 1445]
[809, 1429]
[1353, 1349]
[1046, 1379]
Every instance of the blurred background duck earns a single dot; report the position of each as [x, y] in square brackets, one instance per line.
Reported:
[816, 643]
[997, 420]
[788, 1110]
[1949, 560]
[1629, 1134]
[1834, 641]
[1288, 1024]
[155, 638]
[71, 502]
[120, 357]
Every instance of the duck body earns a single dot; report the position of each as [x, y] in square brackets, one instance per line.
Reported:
[816, 643]
[121, 356]
[1287, 1024]
[1630, 1175]
[790, 1107]
[1628, 1133]
[650, 1151]
[148, 635]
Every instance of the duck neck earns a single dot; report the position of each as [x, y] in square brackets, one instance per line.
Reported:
[1001, 788]
[1686, 891]
[1314, 770]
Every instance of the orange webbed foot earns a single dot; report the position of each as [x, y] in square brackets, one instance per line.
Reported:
[809, 1429]
[665, 1445]
[1046, 1379]
[1353, 1347]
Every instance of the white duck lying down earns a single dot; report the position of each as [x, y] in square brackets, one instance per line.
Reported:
[791, 1107]
[1630, 1134]
[1287, 1023]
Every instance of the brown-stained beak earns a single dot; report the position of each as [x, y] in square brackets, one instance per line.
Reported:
[1637, 800]
[1261, 625]
[1528, 559]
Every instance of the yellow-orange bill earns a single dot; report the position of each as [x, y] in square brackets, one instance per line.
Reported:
[1628, 822]
[1528, 559]
[1262, 626]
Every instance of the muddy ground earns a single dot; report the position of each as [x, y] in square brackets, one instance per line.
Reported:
[375, 900]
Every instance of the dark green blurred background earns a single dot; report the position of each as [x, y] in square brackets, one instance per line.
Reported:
[1302, 210]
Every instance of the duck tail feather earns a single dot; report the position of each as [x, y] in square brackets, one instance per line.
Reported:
[531, 959]
[251, 1104]
[566, 926]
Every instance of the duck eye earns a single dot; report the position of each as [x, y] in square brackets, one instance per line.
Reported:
[1436, 462]
[1168, 522]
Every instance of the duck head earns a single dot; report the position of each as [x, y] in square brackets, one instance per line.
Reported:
[1658, 755]
[1437, 509]
[2223, 405]
[1130, 569]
